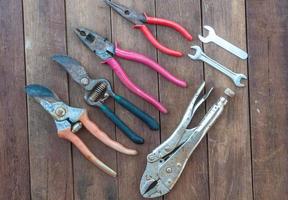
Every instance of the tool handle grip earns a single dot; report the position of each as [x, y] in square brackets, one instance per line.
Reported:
[68, 135]
[137, 57]
[133, 87]
[155, 43]
[121, 125]
[150, 121]
[103, 137]
[171, 24]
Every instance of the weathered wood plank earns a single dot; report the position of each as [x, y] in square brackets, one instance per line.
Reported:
[267, 42]
[50, 157]
[193, 183]
[229, 139]
[14, 156]
[90, 182]
[130, 169]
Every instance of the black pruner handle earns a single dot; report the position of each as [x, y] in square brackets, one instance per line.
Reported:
[121, 125]
[150, 121]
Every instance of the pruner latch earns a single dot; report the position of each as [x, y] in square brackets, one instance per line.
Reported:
[166, 163]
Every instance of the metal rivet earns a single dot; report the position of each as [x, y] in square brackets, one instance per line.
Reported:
[167, 148]
[76, 127]
[84, 81]
[169, 181]
[179, 165]
[150, 157]
[60, 112]
[168, 170]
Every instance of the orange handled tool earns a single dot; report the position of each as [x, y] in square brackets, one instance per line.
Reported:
[69, 120]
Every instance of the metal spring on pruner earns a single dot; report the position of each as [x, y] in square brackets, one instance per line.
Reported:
[99, 89]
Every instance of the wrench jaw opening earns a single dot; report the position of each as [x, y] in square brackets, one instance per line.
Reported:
[211, 35]
[198, 52]
[237, 80]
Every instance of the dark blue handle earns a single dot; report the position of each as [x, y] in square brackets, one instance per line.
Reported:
[150, 121]
[121, 125]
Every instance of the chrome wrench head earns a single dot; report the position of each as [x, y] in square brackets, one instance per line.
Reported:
[213, 37]
[198, 53]
[210, 37]
[238, 78]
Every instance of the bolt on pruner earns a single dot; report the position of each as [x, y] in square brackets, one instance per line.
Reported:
[166, 162]
[69, 120]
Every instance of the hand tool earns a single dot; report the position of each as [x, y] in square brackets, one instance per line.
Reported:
[106, 51]
[97, 91]
[166, 162]
[212, 37]
[69, 120]
[139, 19]
[200, 55]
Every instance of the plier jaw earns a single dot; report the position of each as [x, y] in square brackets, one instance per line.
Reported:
[131, 15]
[166, 163]
[96, 43]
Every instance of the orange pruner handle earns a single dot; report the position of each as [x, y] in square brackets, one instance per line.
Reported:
[68, 135]
[103, 137]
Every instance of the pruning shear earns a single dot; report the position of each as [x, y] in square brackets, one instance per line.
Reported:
[69, 120]
[166, 163]
[106, 51]
[96, 93]
[139, 19]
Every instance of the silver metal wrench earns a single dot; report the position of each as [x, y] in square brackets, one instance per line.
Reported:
[212, 37]
[200, 55]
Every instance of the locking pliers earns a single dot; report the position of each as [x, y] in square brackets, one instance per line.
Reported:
[69, 120]
[166, 163]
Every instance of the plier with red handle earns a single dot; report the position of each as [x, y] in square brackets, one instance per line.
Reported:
[140, 19]
[107, 52]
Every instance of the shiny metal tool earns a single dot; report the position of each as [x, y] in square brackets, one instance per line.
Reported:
[69, 120]
[166, 163]
[200, 55]
[212, 37]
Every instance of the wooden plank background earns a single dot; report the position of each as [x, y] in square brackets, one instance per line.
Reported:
[244, 156]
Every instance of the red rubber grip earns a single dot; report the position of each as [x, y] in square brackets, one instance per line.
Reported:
[155, 43]
[171, 24]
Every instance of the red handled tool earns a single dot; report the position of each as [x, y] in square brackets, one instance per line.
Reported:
[107, 52]
[139, 19]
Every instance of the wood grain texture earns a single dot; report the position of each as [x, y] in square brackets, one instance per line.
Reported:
[14, 155]
[193, 183]
[230, 163]
[90, 182]
[267, 42]
[229, 138]
[131, 168]
[50, 156]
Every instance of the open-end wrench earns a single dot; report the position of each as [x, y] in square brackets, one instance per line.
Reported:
[200, 55]
[212, 37]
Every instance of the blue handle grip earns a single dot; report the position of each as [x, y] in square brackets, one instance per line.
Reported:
[150, 121]
[121, 125]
